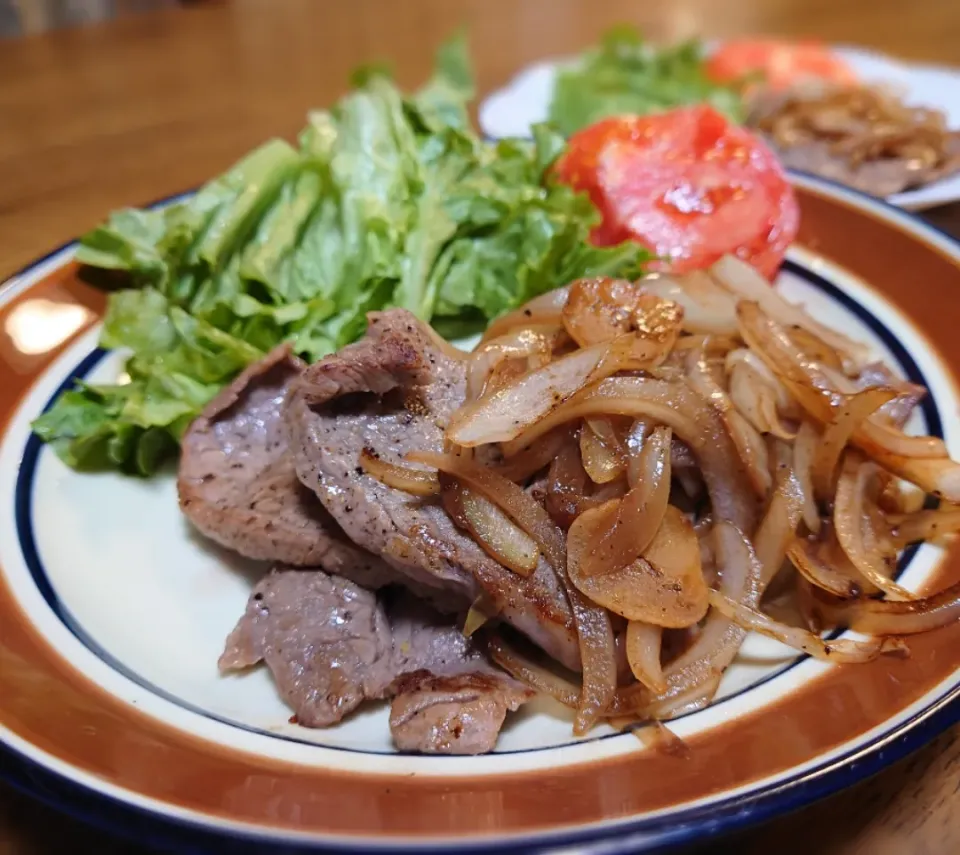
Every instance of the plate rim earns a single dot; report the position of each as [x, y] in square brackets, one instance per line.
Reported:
[736, 812]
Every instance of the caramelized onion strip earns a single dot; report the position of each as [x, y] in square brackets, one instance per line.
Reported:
[417, 482]
[665, 588]
[778, 527]
[691, 418]
[846, 419]
[504, 414]
[536, 456]
[749, 444]
[523, 343]
[490, 527]
[925, 525]
[643, 653]
[811, 387]
[544, 309]
[879, 617]
[692, 678]
[842, 651]
[707, 307]
[744, 281]
[602, 455]
[823, 575]
[849, 520]
[638, 516]
[804, 452]
[756, 401]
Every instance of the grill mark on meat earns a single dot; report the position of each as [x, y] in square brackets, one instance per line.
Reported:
[238, 486]
[415, 535]
[331, 644]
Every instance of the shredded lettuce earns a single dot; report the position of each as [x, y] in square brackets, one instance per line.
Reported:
[626, 74]
[385, 200]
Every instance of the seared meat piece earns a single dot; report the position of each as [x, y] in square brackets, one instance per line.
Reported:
[460, 714]
[326, 641]
[238, 486]
[393, 392]
[331, 644]
[450, 699]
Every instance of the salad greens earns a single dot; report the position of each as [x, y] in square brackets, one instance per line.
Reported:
[626, 74]
[385, 200]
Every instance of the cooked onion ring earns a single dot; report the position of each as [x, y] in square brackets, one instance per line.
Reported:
[417, 482]
[879, 617]
[638, 516]
[841, 651]
[544, 309]
[679, 407]
[849, 519]
[643, 653]
[503, 415]
[499, 537]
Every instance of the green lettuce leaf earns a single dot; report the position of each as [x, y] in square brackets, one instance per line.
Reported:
[386, 200]
[626, 74]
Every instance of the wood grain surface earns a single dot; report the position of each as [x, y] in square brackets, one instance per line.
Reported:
[150, 104]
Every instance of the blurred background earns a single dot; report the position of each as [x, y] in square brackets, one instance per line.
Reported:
[21, 17]
[118, 102]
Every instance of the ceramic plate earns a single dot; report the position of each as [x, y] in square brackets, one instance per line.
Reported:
[113, 614]
[525, 100]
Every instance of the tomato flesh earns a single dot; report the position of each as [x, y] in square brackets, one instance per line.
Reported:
[783, 64]
[687, 185]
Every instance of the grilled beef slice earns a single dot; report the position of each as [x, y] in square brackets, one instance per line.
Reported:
[331, 644]
[394, 392]
[325, 640]
[238, 486]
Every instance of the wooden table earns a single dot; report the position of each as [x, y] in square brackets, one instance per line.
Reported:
[150, 104]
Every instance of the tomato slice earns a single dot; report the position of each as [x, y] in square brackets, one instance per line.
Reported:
[783, 64]
[686, 184]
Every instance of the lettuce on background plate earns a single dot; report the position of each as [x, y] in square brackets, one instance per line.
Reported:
[625, 74]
